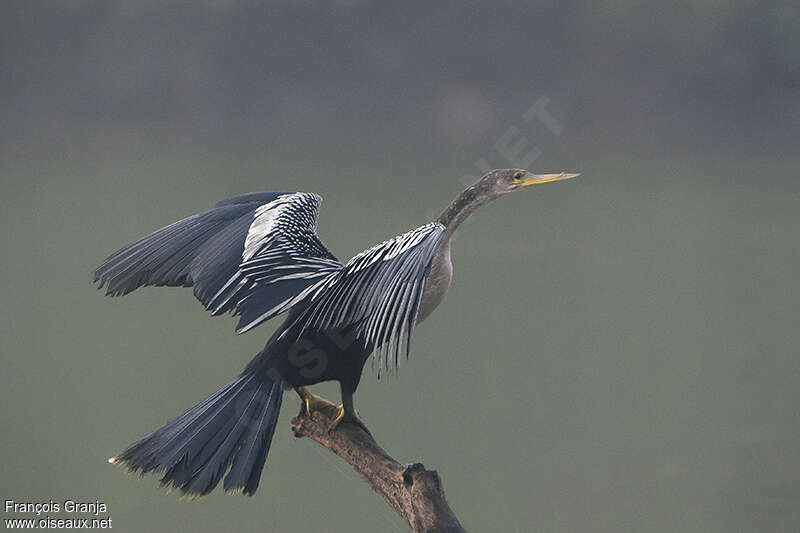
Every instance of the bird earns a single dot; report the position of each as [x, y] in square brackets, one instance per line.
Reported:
[257, 256]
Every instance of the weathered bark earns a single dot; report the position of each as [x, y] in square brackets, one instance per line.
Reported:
[416, 494]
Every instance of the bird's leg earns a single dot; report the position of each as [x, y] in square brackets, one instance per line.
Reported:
[313, 403]
[346, 413]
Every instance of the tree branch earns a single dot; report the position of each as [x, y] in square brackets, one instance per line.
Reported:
[416, 494]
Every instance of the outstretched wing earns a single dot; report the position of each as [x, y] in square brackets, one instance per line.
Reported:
[274, 231]
[377, 294]
[258, 255]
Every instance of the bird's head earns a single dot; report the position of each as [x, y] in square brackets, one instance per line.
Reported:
[493, 184]
[502, 181]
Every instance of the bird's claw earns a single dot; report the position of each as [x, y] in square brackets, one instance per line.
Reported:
[313, 404]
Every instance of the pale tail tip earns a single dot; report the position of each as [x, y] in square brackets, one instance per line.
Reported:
[112, 460]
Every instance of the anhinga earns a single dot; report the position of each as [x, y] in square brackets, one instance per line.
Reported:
[258, 255]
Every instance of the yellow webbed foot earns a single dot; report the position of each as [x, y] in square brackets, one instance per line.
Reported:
[313, 404]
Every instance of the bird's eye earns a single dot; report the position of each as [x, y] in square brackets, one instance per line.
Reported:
[517, 176]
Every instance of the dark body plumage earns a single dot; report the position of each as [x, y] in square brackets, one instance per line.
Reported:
[257, 256]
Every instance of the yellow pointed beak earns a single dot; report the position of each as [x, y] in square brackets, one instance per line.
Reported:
[536, 179]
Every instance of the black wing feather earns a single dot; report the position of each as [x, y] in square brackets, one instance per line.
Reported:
[165, 257]
[258, 255]
[206, 251]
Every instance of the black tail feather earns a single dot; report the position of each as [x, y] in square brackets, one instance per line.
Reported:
[231, 429]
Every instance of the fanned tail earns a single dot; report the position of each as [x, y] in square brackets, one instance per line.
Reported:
[230, 431]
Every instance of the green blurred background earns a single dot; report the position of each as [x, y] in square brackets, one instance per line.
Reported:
[617, 353]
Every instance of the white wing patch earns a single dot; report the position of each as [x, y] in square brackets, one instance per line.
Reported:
[289, 217]
[281, 246]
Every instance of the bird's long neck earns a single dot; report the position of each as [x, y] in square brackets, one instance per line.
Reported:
[441, 271]
[460, 208]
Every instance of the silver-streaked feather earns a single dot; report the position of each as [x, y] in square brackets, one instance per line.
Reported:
[258, 255]
[378, 292]
[281, 245]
